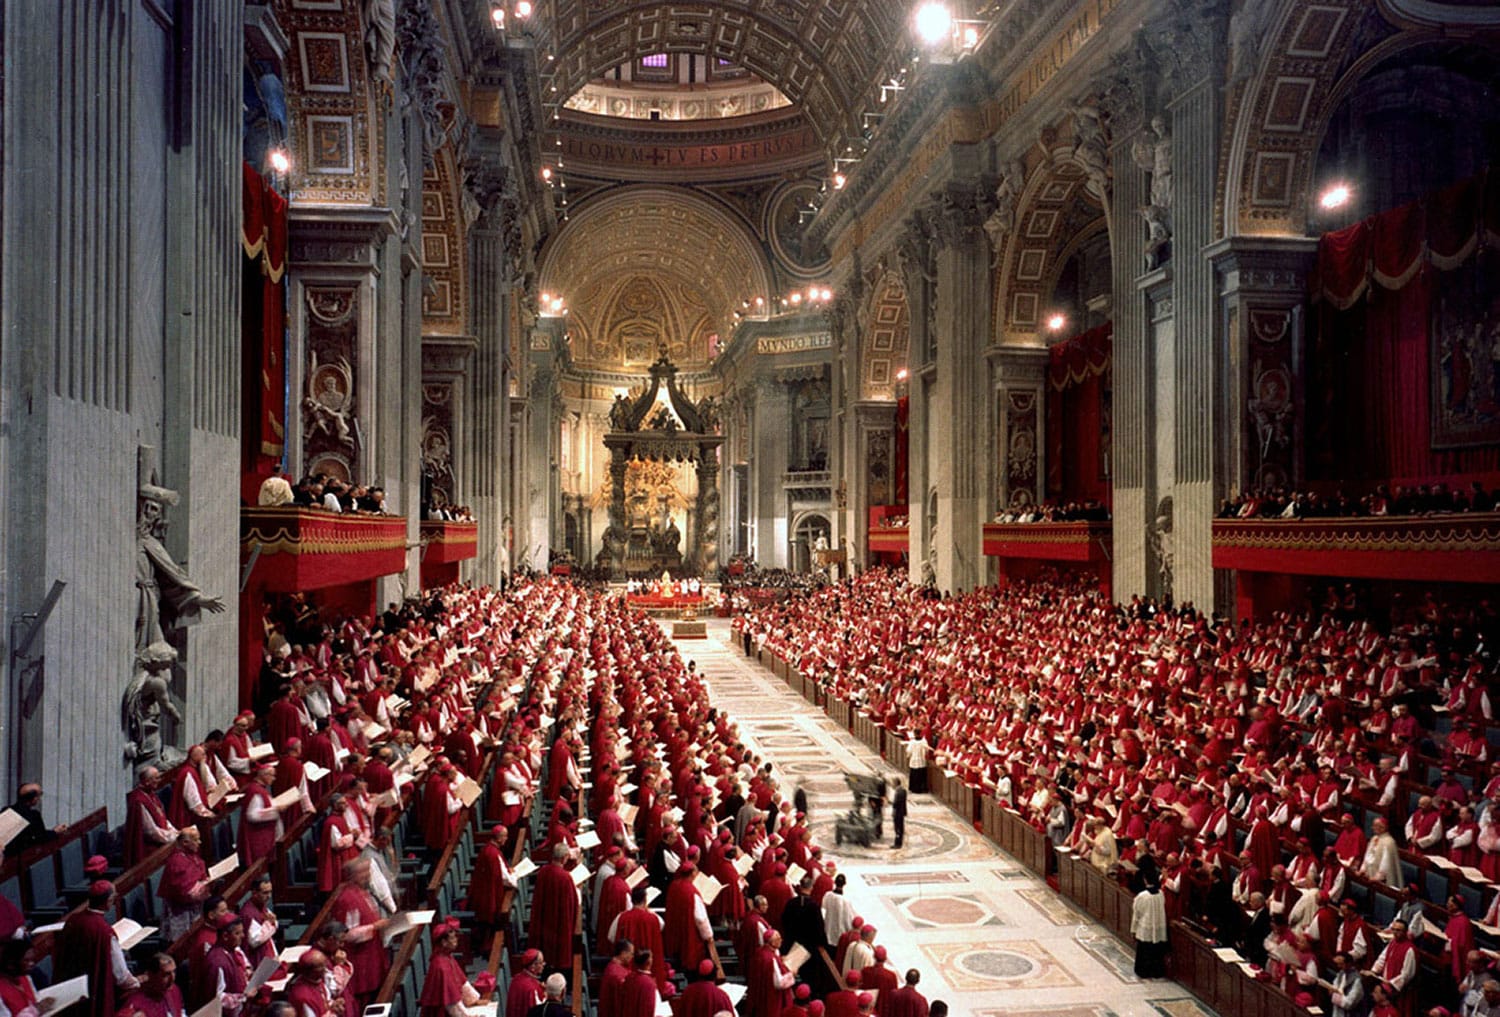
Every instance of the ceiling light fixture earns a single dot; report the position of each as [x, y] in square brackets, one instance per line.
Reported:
[1336, 196]
[934, 22]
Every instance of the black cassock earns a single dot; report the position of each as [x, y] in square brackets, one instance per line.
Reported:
[802, 924]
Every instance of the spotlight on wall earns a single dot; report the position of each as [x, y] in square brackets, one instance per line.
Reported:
[839, 180]
[1057, 322]
[1337, 196]
[523, 9]
[901, 374]
[547, 173]
[497, 15]
[280, 161]
[934, 23]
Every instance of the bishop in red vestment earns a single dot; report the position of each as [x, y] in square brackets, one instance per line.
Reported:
[554, 911]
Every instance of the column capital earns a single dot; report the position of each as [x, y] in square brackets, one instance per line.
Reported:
[958, 214]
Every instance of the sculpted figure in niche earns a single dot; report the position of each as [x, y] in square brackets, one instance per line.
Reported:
[326, 408]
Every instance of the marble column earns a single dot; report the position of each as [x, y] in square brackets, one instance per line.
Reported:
[960, 424]
[915, 256]
[490, 284]
[768, 465]
[1134, 382]
[1196, 356]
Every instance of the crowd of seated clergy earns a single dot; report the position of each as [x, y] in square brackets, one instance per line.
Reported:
[594, 722]
[1090, 510]
[1277, 776]
[1385, 500]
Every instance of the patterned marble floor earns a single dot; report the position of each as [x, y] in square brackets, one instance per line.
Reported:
[989, 937]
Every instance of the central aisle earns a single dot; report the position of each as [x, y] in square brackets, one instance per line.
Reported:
[989, 937]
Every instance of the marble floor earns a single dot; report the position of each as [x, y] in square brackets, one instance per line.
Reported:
[989, 937]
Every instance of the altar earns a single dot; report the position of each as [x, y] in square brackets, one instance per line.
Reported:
[643, 538]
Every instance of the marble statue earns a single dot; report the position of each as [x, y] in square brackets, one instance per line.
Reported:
[1091, 146]
[1003, 219]
[1158, 235]
[619, 414]
[1161, 540]
[1154, 155]
[380, 38]
[147, 697]
[708, 413]
[166, 599]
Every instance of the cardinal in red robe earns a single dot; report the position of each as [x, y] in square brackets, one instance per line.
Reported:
[554, 911]
[337, 846]
[703, 998]
[445, 982]
[612, 982]
[685, 911]
[355, 907]
[87, 945]
[879, 978]
[771, 981]
[639, 994]
[907, 1001]
[526, 990]
[642, 927]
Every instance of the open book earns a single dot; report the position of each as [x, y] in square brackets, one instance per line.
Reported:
[132, 933]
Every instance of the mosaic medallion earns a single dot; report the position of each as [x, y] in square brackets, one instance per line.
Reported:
[932, 911]
[1020, 964]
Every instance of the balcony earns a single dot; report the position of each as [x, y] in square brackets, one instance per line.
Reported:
[1462, 548]
[444, 545]
[1076, 542]
[1024, 549]
[298, 549]
[889, 534]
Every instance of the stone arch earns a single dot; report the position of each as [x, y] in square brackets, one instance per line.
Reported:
[1055, 208]
[1314, 56]
[444, 250]
[885, 338]
[703, 259]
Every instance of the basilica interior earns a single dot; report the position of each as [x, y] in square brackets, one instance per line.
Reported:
[316, 308]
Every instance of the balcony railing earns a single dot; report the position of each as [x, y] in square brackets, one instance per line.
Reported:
[296, 548]
[1461, 548]
[1079, 542]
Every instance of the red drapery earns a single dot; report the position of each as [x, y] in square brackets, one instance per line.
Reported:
[902, 450]
[1373, 375]
[1078, 424]
[263, 321]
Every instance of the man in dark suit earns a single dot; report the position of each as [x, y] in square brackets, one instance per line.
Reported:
[898, 813]
[1257, 928]
[28, 805]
